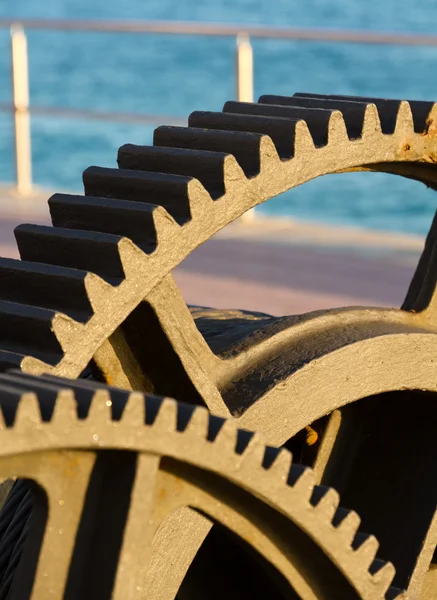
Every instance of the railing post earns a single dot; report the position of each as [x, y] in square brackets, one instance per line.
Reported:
[244, 77]
[20, 93]
[244, 68]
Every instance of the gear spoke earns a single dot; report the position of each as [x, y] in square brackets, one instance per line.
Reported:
[135, 554]
[64, 479]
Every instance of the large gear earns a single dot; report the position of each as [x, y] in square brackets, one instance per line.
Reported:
[96, 291]
[124, 462]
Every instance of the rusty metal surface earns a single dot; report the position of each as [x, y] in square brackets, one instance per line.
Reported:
[95, 292]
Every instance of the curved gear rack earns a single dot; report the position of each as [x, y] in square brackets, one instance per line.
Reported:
[94, 287]
[79, 445]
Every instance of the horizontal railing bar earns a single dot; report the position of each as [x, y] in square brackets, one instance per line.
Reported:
[224, 29]
[79, 113]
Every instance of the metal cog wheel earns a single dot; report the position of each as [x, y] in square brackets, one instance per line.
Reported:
[110, 466]
[96, 288]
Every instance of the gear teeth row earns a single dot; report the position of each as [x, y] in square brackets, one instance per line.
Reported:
[212, 169]
[388, 109]
[353, 112]
[180, 195]
[245, 147]
[319, 120]
[353, 107]
[286, 134]
[84, 391]
[50, 399]
[251, 447]
[18, 395]
[41, 304]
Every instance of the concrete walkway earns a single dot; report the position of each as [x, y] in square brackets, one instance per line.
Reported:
[274, 266]
[284, 280]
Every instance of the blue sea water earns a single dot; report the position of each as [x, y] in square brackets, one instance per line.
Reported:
[175, 75]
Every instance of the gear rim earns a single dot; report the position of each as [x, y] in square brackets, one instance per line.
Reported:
[194, 437]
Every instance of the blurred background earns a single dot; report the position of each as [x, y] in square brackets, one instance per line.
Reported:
[372, 225]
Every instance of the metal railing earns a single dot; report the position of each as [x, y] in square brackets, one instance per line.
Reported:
[21, 108]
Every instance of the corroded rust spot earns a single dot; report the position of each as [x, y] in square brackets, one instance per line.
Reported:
[431, 127]
[311, 436]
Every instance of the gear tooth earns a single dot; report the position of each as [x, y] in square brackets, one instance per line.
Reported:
[233, 175]
[131, 257]
[66, 331]
[404, 119]
[303, 140]
[167, 417]
[423, 113]
[302, 480]
[34, 366]
[97, 290]
[347, 523]
[100, 411]
[199, 422]
[431, 120]
[166, 227]
[365, 546]
[281, 465]
[371, 122]
[268, 155]
[199, 199]
[337, 132]
[326, 500]
[134, 413]
[28, 414]
[227, 434]
[65, 409]
[382, 574]
[253, 450]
